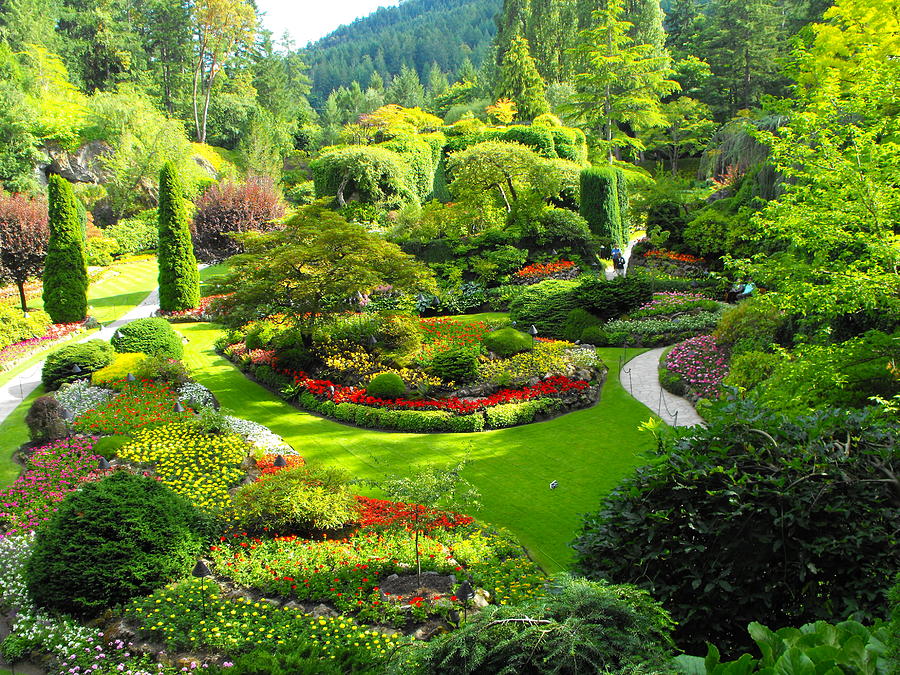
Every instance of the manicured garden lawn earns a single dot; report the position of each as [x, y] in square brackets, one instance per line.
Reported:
[208, 273]
[587, 451]
[113, 296]
[14, 433]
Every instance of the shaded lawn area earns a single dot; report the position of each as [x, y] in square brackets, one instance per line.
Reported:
[206, 276]
[112, 297]
[587, 452]
[14, 433]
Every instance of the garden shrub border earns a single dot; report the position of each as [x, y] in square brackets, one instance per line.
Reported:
[499, 416]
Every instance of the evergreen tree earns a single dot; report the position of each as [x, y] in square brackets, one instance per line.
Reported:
[521, 81]
[65, 267]
[619, 83]
[600, 203]
[406, 89]
[438, 83]
[512, 21]
[551, 33]
[684, 24]
[179, 280]
[646, 17]
[467, 72]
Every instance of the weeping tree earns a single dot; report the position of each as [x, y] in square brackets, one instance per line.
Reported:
[65, 267]
[179, 280]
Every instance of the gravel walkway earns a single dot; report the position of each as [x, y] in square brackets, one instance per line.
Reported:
[640, 377]
[20, 387]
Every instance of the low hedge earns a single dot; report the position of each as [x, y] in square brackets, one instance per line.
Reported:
[513, 414]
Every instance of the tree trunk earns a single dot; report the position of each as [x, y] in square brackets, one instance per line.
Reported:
[21, 285]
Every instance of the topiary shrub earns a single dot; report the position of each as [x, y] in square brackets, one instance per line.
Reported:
[600, 202]
[108, 446]
[771, 520]
[577, 322]
[45, 420]
[151, 336]
[386, 385]
[507, 341]
[88, 356]
[455, 365]
[545, 306]
[300, 500]
[111, 541]
[595, 335]
[65, 266]
[179, 279]
[578, 626]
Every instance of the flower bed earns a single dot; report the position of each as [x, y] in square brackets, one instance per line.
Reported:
[653, 332]
[537, 272]
[205, 312]
[670, 262]
[673, 302]
[140, 404]
[10, 354]
[441, 334]
[52, 472]
[381, 512]
[700, 363]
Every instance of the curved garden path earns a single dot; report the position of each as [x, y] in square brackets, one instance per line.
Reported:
[640, 377]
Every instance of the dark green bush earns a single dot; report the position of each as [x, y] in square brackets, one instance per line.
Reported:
[261, 334]
[386, 385]
[45, 420]
[751, 325]
[151, 336]
[507, 341]
[600, 203]
[300, 500]
[576, 627]
[65, 265]
[577, 322]
[454, 365]
[179, 279]
[611, 299]
[295, 358]
[299, 657]
[88, 356]
[595, 335]
[545, 305]
[111, 541]
[570, 143]
[756, 518]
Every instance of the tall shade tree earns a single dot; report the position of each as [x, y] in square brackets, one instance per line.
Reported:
[687, 130]
[619, 83]
[65, 267]
[521, 82]
[223, 28]
[23, 240]
[179, 280]
[307, 271]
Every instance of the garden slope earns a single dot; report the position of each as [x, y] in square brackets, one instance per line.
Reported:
[587, 451]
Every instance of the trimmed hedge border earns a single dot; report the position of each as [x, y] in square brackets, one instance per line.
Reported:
[425, 421]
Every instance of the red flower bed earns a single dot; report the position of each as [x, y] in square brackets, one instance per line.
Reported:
[671, 255]
[554, 385]
[545, 269]
[266, 464]
[383, 512]
[200, 313]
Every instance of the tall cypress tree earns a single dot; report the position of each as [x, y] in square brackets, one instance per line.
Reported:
[520, 80]
[65, 267]
[179, 280]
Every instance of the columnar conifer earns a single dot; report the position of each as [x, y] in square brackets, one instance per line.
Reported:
[65, 267]
[600, 202]
[179, 280]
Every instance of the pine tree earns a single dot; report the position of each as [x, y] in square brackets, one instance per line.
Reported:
[646, 17]
[521, 81]
[179, 280]
[65, 267]
[406, 89]
[600, 202]
[619, 83]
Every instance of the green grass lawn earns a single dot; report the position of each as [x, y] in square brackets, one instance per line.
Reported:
[207, 273]
[113, 296]
[14, 433]
[587, 451]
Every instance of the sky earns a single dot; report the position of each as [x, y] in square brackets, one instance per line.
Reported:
[308, 20]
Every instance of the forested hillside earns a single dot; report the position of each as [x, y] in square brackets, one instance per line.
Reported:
[417, 33]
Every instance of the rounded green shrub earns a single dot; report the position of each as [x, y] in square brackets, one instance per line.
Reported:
[595, 335]
[751, 325]
[261, 334]
[88, 356]
[299, 500]
[386, 385]
[108, 446]
[576, 322]
[455, 365]
[507, 341]
[152, 336]
[111, 541]
[749, 369]
[577, 627]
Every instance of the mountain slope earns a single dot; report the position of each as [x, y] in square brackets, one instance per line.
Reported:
[416, 33]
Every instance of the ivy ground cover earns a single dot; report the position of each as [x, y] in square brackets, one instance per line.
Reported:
[511, 467]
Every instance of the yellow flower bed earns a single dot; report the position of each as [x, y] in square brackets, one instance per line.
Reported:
[546, 357]
[199, 466]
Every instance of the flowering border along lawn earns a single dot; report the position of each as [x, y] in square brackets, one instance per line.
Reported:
[587, 451]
